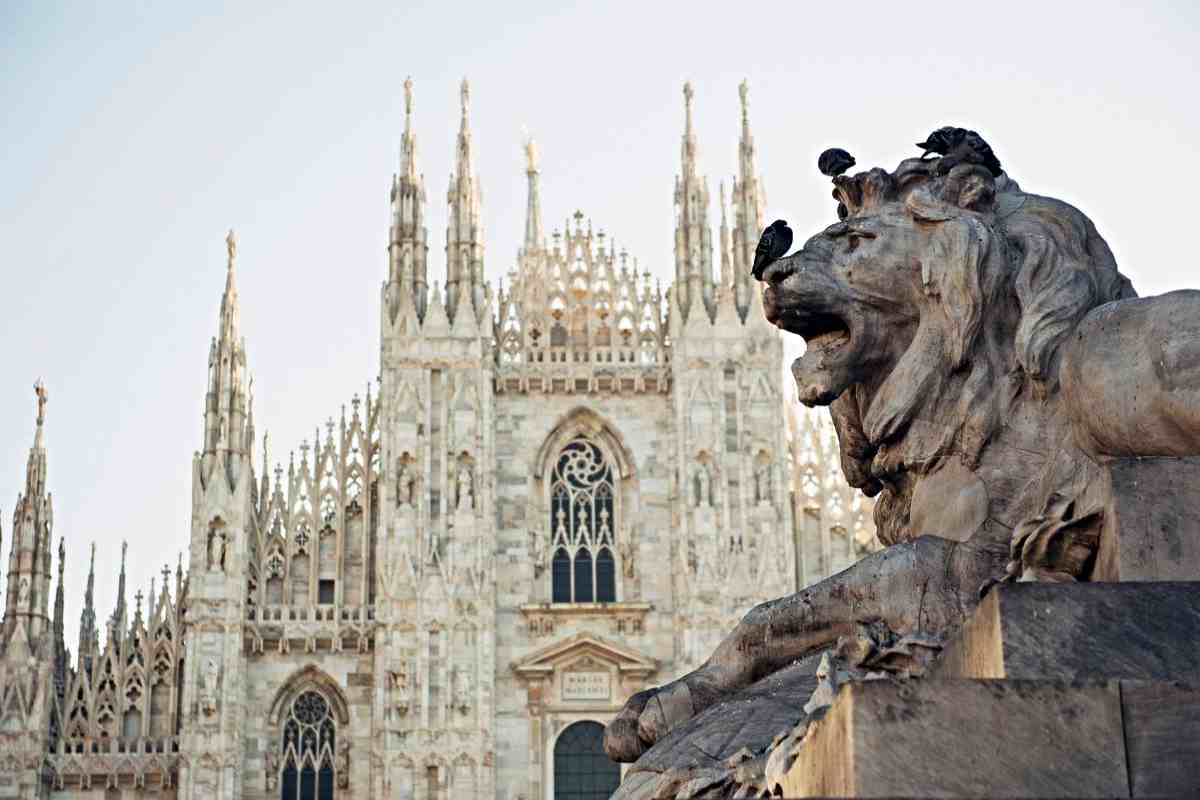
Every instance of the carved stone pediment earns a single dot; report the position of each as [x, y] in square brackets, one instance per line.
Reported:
[583, 670]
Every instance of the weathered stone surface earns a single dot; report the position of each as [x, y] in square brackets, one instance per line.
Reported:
[935, 738]
[1146, 631]
[750, 719]
[1162, 738]
[1152, 521]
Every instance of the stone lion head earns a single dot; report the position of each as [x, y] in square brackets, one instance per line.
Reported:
[934, 312]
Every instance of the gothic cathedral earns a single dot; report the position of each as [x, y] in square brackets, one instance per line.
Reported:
[557, 494]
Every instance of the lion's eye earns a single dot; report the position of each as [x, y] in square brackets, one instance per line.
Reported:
[853, 239]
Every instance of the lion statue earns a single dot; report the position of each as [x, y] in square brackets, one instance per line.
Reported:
[982, 358]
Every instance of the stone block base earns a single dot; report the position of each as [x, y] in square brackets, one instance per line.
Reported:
[964, 738]
[1093, 631]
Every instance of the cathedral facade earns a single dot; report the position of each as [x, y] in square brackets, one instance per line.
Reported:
[556, 494]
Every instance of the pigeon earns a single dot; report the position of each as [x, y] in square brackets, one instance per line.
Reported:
[834, 162]
[776, 240]
[960, 146]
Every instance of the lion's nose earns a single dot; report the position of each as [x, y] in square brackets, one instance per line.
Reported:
[777, 272]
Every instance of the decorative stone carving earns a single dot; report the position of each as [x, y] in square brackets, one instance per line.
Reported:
[1006, 338]
[406, 481]
[465, 489]
[342, 764]
[271, 761]
[463, 690]
[209, 691]
[218, 540]
[763, 492]
[703, 487]
[401, 694]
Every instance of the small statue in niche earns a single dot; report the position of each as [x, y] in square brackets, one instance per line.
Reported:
[537, 548]
[23, 592]
[217, 544]
[208, 688]
[762, 484]
[272, 765]
[401, 696]
[405, 483]
[342, 764]
[627, 552]
[703, 487]
[462, 690]
[466, 491]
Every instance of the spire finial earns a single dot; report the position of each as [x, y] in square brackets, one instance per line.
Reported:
[531, 153]
[744, 93]
[688, 94]
[43, 396]
[465, 93]
[62, 556]
[231, 246]
[408, 99]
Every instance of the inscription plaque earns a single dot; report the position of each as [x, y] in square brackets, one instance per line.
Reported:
[586, 686]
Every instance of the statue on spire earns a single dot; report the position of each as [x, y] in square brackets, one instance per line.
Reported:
[231, 246]
[408, 96]
[744, 93]
[531, 153]
[43, 396]
[465, 92]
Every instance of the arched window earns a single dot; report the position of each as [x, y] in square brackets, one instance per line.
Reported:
[308, 749]
[606, 577]
[581, 769]
[561, 576]
[582, 519]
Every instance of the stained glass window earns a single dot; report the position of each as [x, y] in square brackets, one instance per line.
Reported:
[308, 748]
[582, 522]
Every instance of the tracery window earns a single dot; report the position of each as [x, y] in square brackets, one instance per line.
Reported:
[308, 749]
[582, 519]
[581, 769]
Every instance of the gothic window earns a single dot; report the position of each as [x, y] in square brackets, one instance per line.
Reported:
[308, 749]
[582, 518]
[581, 769]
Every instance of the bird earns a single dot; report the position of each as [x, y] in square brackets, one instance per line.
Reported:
[834, 162]
[775, 241]
[960, 146]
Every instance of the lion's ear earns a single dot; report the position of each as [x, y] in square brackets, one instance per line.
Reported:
[970, 187]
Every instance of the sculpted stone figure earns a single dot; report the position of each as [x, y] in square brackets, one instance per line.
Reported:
[208, 688]
[465, 489]
[983, 360]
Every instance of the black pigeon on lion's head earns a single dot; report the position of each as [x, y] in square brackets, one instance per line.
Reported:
[774, 243]
[960, 146]
[834, 162]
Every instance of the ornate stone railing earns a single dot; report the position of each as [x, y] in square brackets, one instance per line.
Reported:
[116, 745]
[581, 370]
[115, 763]
[313, 628]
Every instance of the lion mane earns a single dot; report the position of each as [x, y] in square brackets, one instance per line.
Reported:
[1006, 276]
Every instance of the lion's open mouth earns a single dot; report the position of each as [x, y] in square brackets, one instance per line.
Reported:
[821, 331]
[820, 372]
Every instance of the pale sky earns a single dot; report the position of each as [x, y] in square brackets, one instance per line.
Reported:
[133, 136]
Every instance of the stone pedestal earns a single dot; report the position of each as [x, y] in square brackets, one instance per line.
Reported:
[1050, 690]
[1151, 521]
[1095, 631]
[963, 738]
